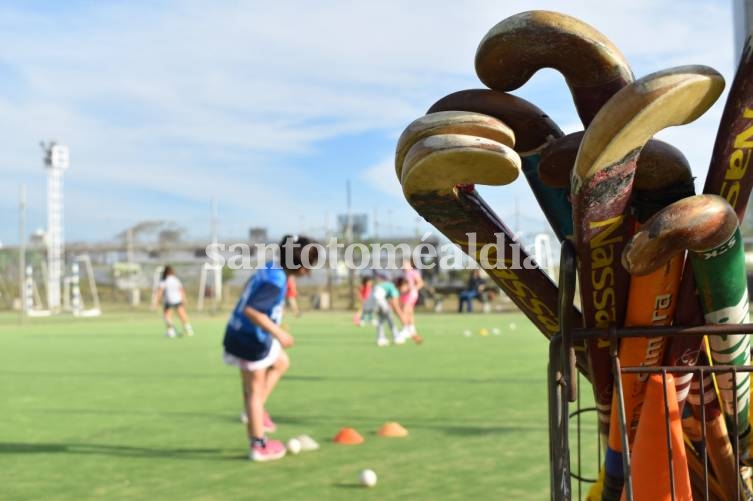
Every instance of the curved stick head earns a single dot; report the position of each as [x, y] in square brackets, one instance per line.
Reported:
[660, 164]
[532, 127]
[533, 130]
[440, 163]
[663, 177]
[696, 223]
[519, 46]
[451, 122]
[641, 109]
[558, 158]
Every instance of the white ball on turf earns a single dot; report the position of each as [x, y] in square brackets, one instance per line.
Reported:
[294, 446]
[367, 478]
[513, 326]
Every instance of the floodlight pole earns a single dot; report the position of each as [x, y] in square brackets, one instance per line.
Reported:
[56, 160]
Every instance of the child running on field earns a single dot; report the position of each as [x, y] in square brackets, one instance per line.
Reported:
[174, 295]
[255, 343]
[383, 301]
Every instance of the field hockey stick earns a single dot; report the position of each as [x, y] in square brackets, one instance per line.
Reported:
[707, 226]
[601, 187]
[517, 47]
[438, 174]
[660, 164]
[701, 489]
[651, 299]
[705, 410]
[730, 176]
[594, 69]
[662, 177]
[533, 130]
[466, 122]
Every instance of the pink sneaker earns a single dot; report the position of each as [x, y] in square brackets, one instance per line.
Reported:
[273, 450]
[268, 425]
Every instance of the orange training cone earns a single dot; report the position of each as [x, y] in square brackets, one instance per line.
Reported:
[348, 436]
[650, 458]
[392, 430]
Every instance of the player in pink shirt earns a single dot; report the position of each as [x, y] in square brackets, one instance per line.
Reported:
[409, 299]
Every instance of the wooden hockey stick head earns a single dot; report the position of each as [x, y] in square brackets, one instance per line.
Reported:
[451, 122]
[558, 158]
[519, 46]
[696, 223]
[625, 123]
[660, 164]
[532, 127]
[440, 163]
[533, 130]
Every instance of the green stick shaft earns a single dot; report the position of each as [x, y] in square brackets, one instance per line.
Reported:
[721, 280]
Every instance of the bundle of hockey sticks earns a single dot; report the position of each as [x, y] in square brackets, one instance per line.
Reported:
[649, 251]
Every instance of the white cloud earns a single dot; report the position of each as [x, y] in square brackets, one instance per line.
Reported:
[382, 177]
[186, 95]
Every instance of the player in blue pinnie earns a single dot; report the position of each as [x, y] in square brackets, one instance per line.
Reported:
[255, 342]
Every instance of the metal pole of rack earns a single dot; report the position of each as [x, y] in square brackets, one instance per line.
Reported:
[559, 450]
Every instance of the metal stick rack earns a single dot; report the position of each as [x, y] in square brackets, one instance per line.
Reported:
[563, 389]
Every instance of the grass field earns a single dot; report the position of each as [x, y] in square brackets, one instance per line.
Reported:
[108, 408]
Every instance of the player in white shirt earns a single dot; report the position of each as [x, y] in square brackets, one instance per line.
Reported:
[172, 292]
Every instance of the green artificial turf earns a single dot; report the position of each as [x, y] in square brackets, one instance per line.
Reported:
[109, 408]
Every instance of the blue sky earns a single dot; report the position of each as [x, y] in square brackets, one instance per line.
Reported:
[271, 106]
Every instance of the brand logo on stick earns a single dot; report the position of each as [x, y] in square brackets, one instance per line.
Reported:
[602, 271]
[738, 163]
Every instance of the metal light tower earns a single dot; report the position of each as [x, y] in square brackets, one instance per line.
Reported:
[56, 161]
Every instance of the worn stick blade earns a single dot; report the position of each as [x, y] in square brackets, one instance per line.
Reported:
[698, 223]
[449, 202]
[532, 127]
[602, 183]
[451, 122]
[519, 46]
[660, 164]
[730, 176]
[676, 96]
[652, 298]
[431, 161]
[533, 130]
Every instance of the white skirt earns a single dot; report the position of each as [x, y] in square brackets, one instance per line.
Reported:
[247, 365]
